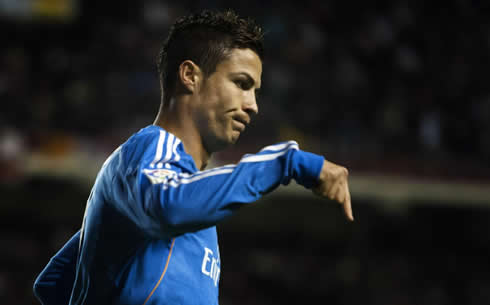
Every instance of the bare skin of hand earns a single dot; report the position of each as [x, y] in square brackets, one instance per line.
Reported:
[333, 184]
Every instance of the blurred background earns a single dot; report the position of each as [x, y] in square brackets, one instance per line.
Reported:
[397, 91]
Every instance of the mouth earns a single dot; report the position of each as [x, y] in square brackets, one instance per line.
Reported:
[239, 125]
[240, 121]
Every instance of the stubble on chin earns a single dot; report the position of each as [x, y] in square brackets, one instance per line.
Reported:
[234, 137]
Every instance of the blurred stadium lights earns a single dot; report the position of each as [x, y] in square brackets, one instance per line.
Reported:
[40, 10]
[383, 189]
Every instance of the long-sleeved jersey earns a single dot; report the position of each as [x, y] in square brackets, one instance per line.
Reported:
[148, 234]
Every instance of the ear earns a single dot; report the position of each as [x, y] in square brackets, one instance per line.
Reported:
[190, 75]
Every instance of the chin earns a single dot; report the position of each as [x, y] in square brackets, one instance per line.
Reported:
[234, 137]
[230, 141]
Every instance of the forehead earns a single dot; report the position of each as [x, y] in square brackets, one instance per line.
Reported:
[242, 61]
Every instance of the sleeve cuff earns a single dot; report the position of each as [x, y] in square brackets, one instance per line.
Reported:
[307, 167]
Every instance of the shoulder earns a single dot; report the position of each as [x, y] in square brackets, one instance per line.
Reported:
[153, 146]
[140, 142]
[145, 135]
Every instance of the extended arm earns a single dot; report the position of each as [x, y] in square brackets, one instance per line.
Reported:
[54, 284]
[176, 202]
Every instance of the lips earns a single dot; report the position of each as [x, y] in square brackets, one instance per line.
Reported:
[240, 121]
[238, 125]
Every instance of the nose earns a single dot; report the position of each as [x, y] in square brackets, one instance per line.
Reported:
[250, 104]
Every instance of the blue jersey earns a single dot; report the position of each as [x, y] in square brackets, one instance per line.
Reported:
[148, 235]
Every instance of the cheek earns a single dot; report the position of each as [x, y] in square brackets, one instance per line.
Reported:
[225, 104]
[229, 91]
[219, 103]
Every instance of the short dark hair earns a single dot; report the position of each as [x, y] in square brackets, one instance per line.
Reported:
[206, 38]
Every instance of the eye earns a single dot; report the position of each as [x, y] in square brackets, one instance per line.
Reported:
[242, 84]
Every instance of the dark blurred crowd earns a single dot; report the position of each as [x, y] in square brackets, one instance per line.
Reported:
[414, 257]
[380, 84]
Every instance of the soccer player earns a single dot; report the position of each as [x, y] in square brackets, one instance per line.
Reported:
[148, 234]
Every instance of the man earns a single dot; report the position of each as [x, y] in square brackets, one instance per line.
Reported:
[148, 235]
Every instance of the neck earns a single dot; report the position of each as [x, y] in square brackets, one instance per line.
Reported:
[176, 120]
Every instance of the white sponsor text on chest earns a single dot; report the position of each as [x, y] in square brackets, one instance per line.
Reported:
[210, 265]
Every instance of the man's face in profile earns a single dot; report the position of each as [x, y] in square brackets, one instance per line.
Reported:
[227, 99]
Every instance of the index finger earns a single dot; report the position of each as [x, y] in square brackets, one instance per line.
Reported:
[347, 205]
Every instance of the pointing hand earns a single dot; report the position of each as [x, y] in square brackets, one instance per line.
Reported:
[333, 184]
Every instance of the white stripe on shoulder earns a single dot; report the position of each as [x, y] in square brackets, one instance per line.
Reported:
[206, 172]
[174, 150]
[278, 147]
[267, 157]
[168, 150]
[176, 183]
[159, 152]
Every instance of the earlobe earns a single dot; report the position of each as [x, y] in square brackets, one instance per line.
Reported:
[189, 74]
